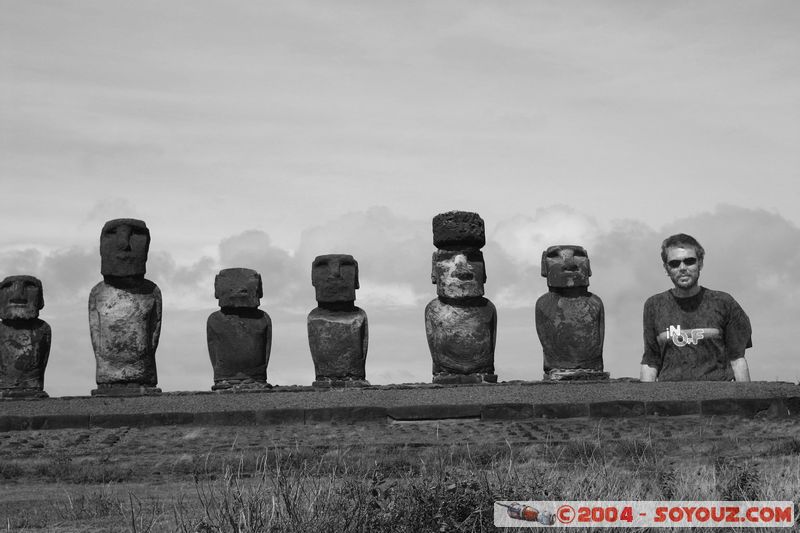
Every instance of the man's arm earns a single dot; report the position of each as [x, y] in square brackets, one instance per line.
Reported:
[652, 352]
[648, 373]
[741, 372]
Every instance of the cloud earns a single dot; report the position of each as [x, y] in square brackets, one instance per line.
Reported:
[752, 254]
[253, 249]
[392, 250]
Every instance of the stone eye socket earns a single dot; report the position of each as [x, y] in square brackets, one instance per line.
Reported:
[579, 253]
[5, 286]
[554, 254]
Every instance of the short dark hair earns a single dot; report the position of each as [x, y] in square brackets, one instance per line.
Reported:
[681, 240]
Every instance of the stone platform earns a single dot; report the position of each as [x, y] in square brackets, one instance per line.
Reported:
[409, 402]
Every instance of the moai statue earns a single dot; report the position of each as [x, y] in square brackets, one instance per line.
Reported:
[570, 319]
[337, 329]
[461, 324]
[125, 313]
[24, 338]
[239, 334]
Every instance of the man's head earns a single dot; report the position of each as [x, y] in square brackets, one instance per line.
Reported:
[20, 297]
[238, 287]
[335, 278]
[683, 257]
[458, 273]
[566, 265]
[124, 243]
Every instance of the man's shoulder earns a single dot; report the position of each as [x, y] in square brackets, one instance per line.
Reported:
[658, 298]
[720, 296]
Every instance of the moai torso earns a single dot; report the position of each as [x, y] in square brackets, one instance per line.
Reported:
[461, 338]
[460, 323]
[24, 338]
[125, 325]
[239, 334]
[125, 312]
[570, 320]
[338, 332]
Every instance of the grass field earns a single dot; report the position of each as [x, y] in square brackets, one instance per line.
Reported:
[437, 477]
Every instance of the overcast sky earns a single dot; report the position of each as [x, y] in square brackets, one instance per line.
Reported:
[262, 134]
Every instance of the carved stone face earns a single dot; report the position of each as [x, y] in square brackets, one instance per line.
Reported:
[123, 247]
[566, 266]
[458, 273]
[335, 277]
[20, 297]
[238, 287]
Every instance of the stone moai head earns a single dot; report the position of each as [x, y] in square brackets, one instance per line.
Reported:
[238, 287]
[566, 265]
[457, 267]
[21, 297]
[335, 278]
[124, 243]
[458, 274]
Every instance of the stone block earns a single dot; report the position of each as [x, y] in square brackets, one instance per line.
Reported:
[434, 412]
[280, 416]
[672, 408]
[561, 410]
[743, 406]
[345, 414]
[615, 409]
[507, 411]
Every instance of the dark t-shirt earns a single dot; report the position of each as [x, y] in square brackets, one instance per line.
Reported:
[694, 338]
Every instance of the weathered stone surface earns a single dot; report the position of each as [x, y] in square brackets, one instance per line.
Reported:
[335, 278]
[672, 408]
[458, 230]
[560, 410]
[566, 265]
[239, 344]
[507, 411]
[434, 411]
[125, 325]
[621, 408]
[238, 287]
[24, 338]
[571, 329]
[461, 335]
[124, 243]
[21, 298]
[354, 413]
[458, 273]
[570, 320]
[338, 341]
[239, 335]
[125, 312]
[576, 374]
[338, 332]
[460, 324]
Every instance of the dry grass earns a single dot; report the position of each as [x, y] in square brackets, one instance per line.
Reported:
[425, 489]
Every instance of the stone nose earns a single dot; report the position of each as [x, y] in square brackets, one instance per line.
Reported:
[334, 270]
[123, 238]
[18, 293]
[570, 266]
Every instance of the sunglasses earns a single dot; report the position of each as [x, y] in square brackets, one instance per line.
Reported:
[688, 261]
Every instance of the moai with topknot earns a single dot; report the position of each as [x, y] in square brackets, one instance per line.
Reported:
[337, 329]
[239, 334]
[570, 320]
[460, 324]
[125, 313]
[24, 338]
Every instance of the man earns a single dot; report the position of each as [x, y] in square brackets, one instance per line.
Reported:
[690, 332]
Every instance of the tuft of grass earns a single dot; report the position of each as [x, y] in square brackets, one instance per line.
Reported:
[429, 489]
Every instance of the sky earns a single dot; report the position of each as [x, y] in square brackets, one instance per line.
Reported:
[261, 134]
